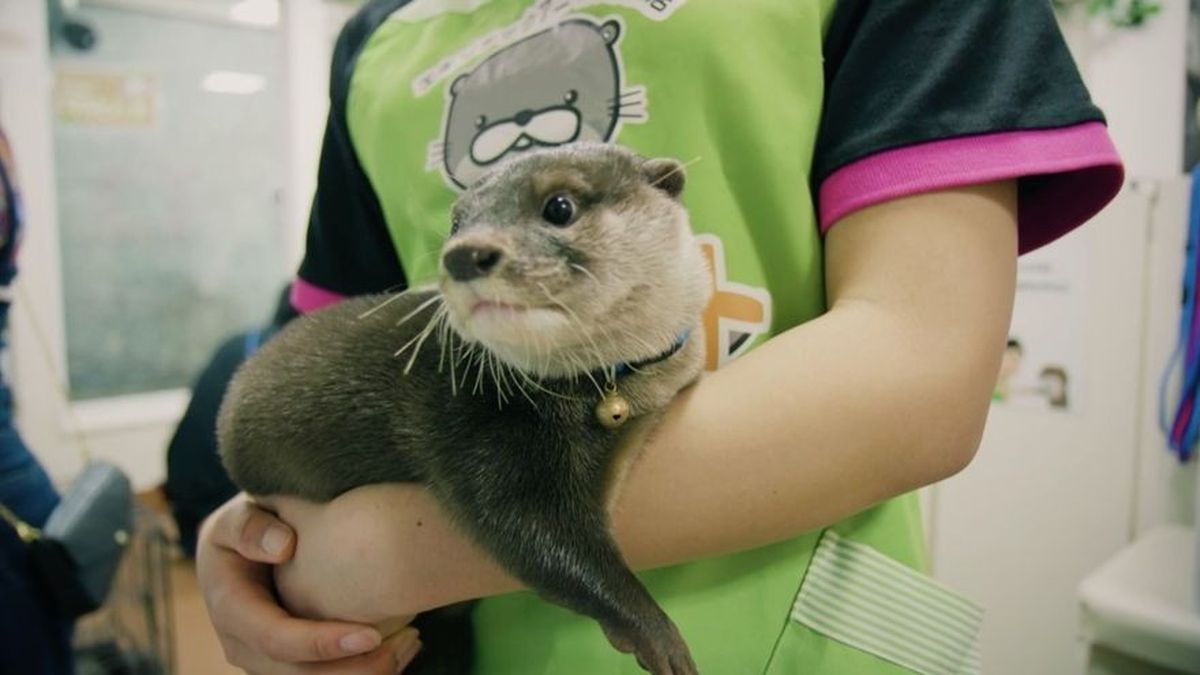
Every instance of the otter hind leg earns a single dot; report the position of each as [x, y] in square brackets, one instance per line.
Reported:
[562, 549]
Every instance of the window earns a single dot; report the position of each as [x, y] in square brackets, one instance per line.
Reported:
[171, 155]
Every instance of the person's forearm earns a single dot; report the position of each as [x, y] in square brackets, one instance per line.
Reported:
[817, 424]
[861, 404]
[784, 442]
[887, 392]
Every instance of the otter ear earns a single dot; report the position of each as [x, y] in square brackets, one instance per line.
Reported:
[458, 83]
[665, 174]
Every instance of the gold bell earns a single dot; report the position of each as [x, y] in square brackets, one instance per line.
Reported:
[613, 410]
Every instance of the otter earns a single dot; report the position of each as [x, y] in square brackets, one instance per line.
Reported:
[568, 303]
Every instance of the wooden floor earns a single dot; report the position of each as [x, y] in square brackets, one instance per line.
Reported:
[197, 651]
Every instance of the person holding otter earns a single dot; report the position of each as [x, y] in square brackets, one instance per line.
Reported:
[867, 174]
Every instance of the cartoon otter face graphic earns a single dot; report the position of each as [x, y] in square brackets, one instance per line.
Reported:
[554, 87]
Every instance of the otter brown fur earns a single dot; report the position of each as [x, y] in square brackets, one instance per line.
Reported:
[561, 265]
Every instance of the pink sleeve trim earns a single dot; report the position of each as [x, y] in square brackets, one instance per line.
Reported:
[1068, 174]
[306, 297]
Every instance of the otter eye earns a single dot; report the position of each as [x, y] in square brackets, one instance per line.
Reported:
[559, 211]
[480, 122]
[571, 96]
[455, 223]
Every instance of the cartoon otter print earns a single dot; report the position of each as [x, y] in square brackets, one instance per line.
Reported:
[558, 86]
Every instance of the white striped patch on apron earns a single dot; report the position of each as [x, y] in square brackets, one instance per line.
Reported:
[862, 598]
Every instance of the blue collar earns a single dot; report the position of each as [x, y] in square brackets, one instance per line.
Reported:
[623, 369]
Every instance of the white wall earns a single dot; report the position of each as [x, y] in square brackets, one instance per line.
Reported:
[1166, 491]
[310, 51]
[1051, 496]
[25, 86]
[1138, 78]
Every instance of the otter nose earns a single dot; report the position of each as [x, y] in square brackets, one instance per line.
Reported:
[522, 118]
[465, 263]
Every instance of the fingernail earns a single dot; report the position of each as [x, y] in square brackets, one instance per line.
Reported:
[360, 642]
[404, 656]
[408, 634]
[274, 540]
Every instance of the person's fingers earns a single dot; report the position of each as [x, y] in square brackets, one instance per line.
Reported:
[237, 591]
[251, 531]
[242, 606]
[389, 658]
[406, 652]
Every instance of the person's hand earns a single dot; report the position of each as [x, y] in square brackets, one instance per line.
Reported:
[238, 545]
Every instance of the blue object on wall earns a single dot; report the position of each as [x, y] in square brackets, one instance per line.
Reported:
[1182, 425]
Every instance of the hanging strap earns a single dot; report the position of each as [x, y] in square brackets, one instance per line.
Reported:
[25, 531]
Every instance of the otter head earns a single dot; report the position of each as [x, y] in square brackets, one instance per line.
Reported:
[573, 259]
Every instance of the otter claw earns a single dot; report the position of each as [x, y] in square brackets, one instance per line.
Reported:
[670, 662]
[665, 655]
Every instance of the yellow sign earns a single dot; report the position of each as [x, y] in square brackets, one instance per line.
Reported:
[109, 99]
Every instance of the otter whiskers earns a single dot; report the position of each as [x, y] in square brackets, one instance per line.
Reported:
[625, 333]
[443, 343]
[466, 358]
[586, 271]
[438, 316]
[501, 399]
[542, 357]
[419, 339]
[480, 358]
[420, 308]
[596, 353]
[387, 302]
[650, 349]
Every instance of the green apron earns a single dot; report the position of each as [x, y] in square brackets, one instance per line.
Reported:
[771, 610]
[445, 88]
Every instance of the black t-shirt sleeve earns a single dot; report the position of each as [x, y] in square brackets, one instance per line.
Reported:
[900, 72]
[907, 73]
[348, 250]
